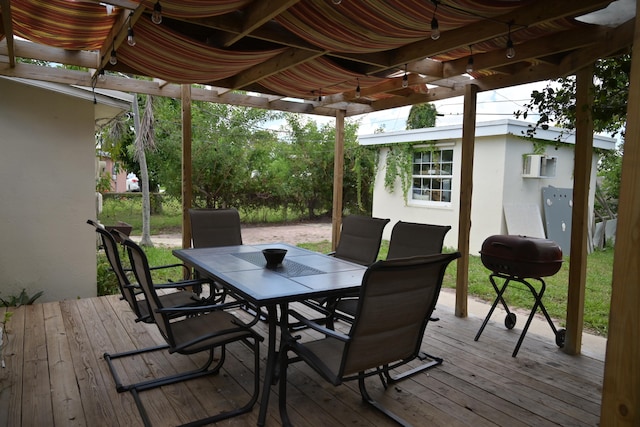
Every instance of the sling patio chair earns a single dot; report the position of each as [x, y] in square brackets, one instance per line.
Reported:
[188, 330]
[360, 239]
[215, 227]
[131, 292]
[379, 338]
[212, 228]
[408, 239]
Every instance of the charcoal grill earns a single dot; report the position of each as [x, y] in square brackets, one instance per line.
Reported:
[524, 260]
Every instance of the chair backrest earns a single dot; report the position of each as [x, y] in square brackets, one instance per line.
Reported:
[140, 267]
[215, 227]
[111, 246]
[413, 239]
[396, 300]
[360, 239]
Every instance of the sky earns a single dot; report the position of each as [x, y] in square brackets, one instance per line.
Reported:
[491, 105]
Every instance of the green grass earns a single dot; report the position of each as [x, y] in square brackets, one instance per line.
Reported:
[129, 209]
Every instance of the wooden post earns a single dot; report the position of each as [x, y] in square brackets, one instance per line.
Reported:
[466, 191]
[187, 181]
[338, 178]
[580, 212]
[621, 387]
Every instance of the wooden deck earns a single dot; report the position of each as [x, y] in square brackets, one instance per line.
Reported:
[55, 376]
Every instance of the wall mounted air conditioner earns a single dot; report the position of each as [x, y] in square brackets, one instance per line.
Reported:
[539, 166]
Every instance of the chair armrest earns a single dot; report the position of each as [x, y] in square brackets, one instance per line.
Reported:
[200, 308]
[182, 284]
[331, 253]
[317, 327]
[158, 267]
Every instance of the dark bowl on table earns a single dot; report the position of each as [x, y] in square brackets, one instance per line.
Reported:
[274, 256]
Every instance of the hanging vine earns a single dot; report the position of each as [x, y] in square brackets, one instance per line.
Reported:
[399, 164]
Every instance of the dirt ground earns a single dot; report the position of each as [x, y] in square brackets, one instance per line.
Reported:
[292, 233]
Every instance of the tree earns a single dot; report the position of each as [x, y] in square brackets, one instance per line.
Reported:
[422, 116]
[227, 146]
[556, 104]
[144, 140]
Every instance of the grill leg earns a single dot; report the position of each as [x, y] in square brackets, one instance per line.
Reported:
[499, 298]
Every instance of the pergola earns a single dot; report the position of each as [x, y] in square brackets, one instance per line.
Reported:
[351, 57]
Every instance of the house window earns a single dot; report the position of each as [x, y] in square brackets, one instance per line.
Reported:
[432, 175]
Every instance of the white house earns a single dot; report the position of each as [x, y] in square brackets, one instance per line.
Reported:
[521, 186]
[47, 170]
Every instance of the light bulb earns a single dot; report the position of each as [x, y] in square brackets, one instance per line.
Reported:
[358, 91]
[337, 1]
[156, 15]
[113, 59]
[435, 29]
[470, 65]
[101, 75]
[511, 52]
[405, 81]
[130, 38]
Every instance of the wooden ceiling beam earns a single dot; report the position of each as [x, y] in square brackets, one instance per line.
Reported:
[529, 51]
[7, 27]
[25, 49]
[258, 14]
[288, 59]
[533, 13]
[118, 33]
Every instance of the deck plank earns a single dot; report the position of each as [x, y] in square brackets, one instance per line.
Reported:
[11, 387]
[36, 369]
[479, 383]
[65, 395]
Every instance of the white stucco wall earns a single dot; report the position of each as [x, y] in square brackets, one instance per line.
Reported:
[47, 192]
[497, 178]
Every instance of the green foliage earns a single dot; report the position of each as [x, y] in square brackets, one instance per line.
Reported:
[422, 116]
[103, 183]
[399, 163]
[21, 299]
[557, 104]
[106, 278]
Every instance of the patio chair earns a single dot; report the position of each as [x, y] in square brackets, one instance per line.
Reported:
[198, 329]
[408, 239]
[212, 228]
[215, 227]
[360, 239]
[131, 292]
[379, 338]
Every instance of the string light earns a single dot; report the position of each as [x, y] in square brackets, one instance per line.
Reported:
[511, 52]
[435, 28]
[113, 59]
[319, 95]
[358, 89]
[337, 1]
[130, 38]
[156, 15]
[405, 78]
[101, 75]
[470, 61]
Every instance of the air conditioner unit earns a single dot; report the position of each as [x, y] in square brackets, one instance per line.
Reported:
[539, 166]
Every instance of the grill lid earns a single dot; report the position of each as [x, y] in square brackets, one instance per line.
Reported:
[521, 256]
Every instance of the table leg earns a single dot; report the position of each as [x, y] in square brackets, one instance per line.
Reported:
[272, 360]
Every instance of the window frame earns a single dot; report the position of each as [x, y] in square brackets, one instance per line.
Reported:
[431, 148]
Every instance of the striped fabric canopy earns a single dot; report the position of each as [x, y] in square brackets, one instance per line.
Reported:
[304, 48]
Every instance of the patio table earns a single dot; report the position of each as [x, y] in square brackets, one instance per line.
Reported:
[303, 274]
